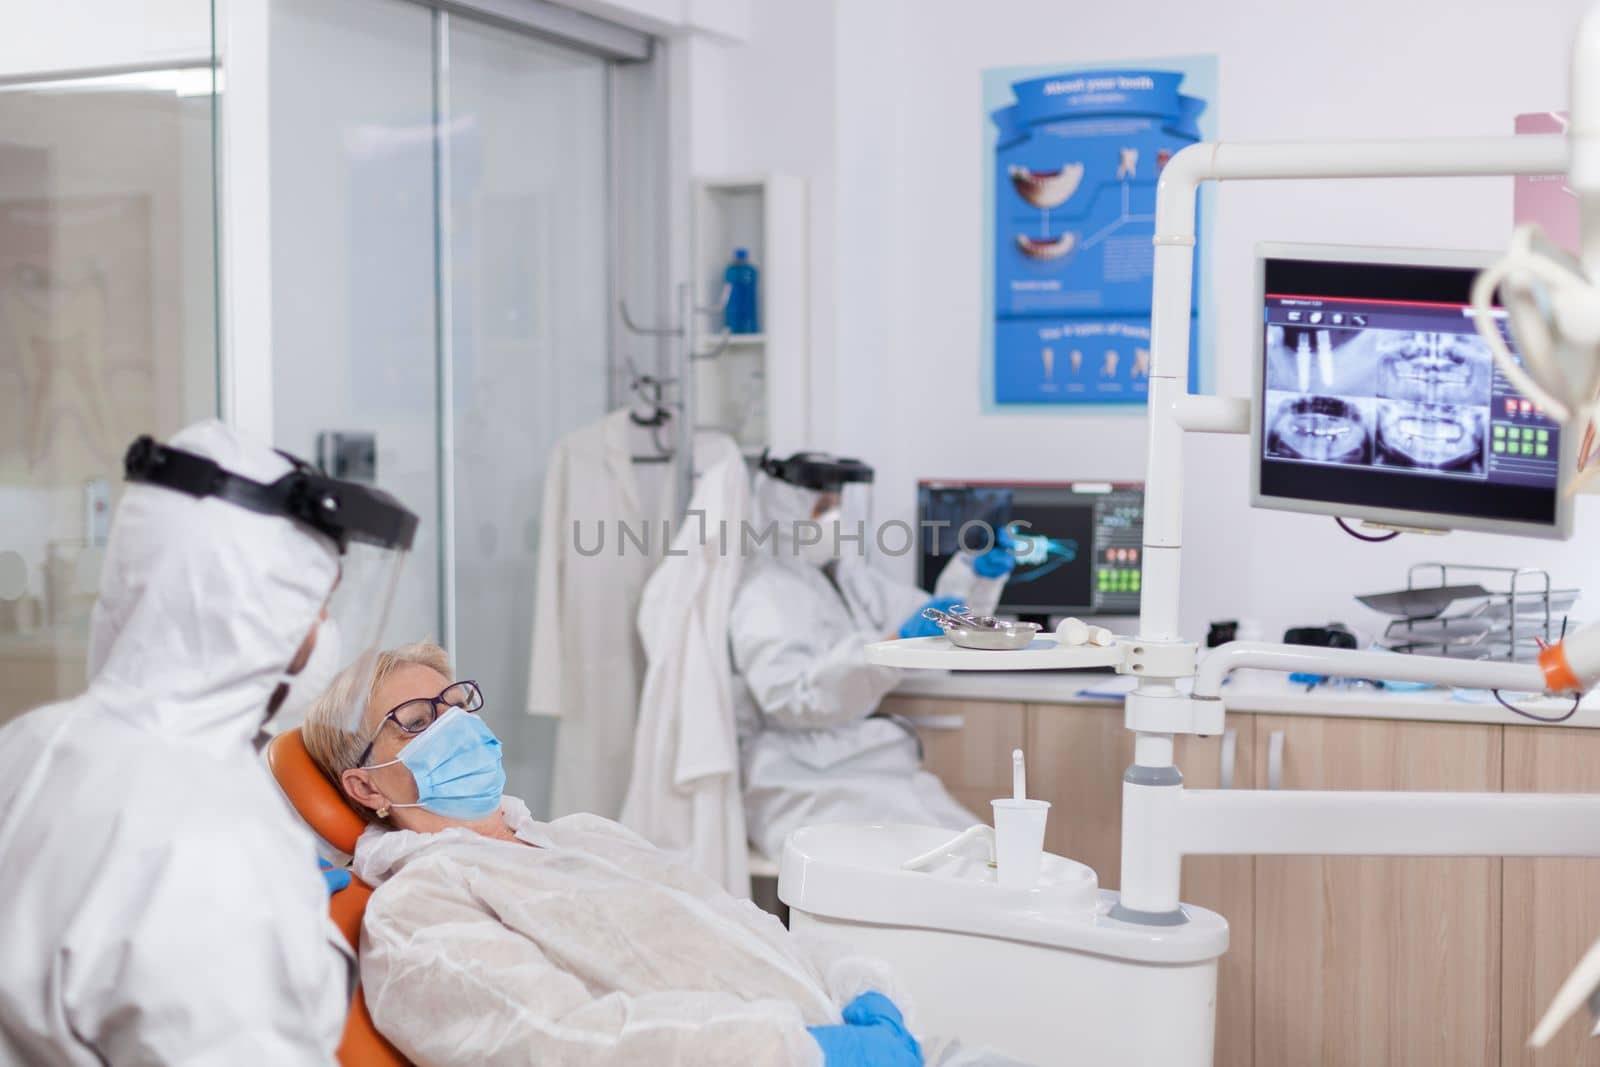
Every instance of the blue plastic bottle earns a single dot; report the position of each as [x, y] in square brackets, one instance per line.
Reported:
[740, 314]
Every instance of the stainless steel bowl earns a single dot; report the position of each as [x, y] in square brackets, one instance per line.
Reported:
[1009, 639]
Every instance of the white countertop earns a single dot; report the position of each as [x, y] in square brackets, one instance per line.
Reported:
[1248, 691]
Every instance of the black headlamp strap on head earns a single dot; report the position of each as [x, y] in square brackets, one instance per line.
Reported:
[339, 510]
[817, 471]
[153, 463]
[768, 465]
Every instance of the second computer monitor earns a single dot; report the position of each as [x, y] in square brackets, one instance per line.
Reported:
[1080, 544]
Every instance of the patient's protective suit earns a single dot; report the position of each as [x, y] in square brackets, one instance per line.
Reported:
[592, 949]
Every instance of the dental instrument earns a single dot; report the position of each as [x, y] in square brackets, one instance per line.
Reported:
[975, 832]
[978, 622]
[981, 631]
[948, 620]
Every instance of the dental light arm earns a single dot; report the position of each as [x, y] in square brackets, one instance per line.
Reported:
[1554, 314]
[1571, 667]
[1552, 300]
[1351, 663]
[1574, 664]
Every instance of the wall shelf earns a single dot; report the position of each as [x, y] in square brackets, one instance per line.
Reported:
[758, 390]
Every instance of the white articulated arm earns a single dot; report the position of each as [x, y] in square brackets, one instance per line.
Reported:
[1551, 299]
[1583, 136]
[1349, 663]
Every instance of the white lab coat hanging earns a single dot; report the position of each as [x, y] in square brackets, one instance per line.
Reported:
[684, 796]
[602, 531]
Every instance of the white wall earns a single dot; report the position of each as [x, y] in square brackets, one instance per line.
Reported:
[49, 36]
[769, 105]
[901, 199]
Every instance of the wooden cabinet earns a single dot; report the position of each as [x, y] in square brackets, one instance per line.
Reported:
[1226, 885]
[1333, 961]
[1370, 961]
[1075, 761]
[967, 744]
[1076, 758]
[1552, 906]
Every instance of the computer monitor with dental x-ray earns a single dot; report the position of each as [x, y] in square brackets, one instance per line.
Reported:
[1079, 545]
[1377, 400]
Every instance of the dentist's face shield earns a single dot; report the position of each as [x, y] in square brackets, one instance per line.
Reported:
[370, 530]
[841, 519]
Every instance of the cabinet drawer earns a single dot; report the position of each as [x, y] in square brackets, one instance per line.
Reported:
[966, 744]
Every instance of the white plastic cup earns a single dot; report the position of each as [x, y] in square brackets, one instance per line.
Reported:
[1019, 841]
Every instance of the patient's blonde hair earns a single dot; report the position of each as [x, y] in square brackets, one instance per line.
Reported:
[332, 745]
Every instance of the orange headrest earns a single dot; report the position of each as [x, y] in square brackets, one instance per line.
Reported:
[312, 795]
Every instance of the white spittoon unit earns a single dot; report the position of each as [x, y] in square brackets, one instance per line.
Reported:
[1041, 974]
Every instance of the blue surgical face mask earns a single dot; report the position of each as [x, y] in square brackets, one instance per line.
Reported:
[456, 764]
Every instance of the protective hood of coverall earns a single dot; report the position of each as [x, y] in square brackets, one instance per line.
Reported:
[786, 511]
[784, 507]
[203, 603]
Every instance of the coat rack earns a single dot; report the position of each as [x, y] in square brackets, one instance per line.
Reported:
[683, 354]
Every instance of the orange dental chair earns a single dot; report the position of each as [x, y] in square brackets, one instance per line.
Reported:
[320, 805]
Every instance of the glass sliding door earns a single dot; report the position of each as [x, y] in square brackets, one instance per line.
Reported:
[354, 280]
[108, 316]
[442, 260]
[525, 255]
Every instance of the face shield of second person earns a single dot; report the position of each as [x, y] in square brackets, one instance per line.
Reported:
[821, 503]
[348, 636]
[371, 532]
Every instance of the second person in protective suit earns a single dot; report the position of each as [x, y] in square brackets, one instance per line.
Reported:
[813, 745]
[162, 904]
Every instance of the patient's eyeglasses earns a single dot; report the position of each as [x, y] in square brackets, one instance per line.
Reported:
[416, 715]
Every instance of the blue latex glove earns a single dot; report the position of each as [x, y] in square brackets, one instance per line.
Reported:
[873, 1035]
[999, 560]
[336, 877]
[917, 626]
[1310, 681]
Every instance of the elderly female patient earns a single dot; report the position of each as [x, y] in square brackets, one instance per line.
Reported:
[492, 938]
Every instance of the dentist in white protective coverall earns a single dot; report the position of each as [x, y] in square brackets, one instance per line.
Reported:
[812, 747]
[162, 904]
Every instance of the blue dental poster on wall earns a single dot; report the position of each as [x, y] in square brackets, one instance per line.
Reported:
[1071, 194]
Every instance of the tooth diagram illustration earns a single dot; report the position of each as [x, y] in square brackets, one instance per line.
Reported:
[1046, 247]
[1046, 189]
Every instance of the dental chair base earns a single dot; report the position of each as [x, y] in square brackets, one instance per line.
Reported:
[1045, 974]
